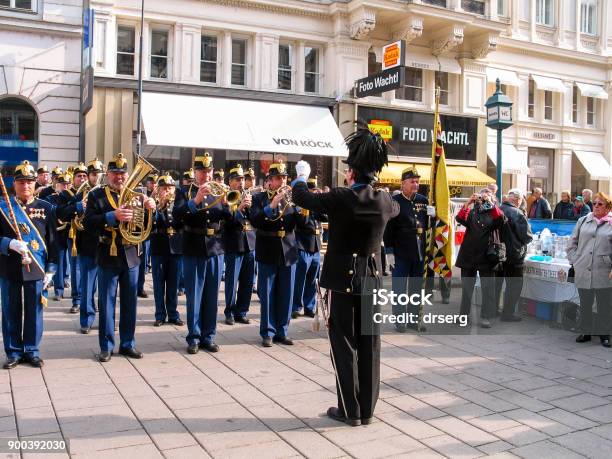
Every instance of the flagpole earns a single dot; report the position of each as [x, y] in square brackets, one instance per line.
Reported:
[429, 235]
[139, 121]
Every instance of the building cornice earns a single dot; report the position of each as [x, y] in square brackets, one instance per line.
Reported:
[214, 91]
[39, 26]
[526, 47]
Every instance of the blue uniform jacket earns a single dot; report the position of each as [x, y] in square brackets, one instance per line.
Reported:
[166, 235]
[238, 234]
[201, 226]
[269, 247]
[405, 234]
[42, 215]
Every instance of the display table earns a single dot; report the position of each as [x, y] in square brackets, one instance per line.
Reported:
[547, 281]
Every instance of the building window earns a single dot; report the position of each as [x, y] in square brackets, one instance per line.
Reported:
[473, 6]
[502, 8]
[239, 60]
[588, 17]
[531, 99]
[524, 10]
[544, 12]
[26, 5]
[208, 59]
[413, 86]
[575, 104]
[159, 54]
[100, 28]
[590, 111]
[126, 50]
[548, 105]
[285, 60]
[373, 66]
[311, 70]
[442, 82]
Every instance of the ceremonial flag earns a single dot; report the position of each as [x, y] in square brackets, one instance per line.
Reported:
[439, 253]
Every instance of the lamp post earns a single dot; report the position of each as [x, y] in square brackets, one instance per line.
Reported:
[499, 117]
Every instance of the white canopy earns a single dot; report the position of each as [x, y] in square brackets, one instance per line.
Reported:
[549, 84]
[513, 161]
[591, 90]
[595, 164]
[223, 123]
[505, 76]
[423, 59]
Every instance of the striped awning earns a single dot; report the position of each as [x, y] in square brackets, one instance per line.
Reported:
[457, 175]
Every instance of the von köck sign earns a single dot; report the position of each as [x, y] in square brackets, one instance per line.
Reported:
[392, 75]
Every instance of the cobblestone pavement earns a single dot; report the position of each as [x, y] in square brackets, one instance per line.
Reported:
[534, 396]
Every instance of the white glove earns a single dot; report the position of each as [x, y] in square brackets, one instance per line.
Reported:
[47, 280]
[302, 168]
[18, 246]
[431, 211]
[390, 261]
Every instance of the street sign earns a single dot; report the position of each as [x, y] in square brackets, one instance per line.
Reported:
[380, 82]
[87, 87]
[394, 55]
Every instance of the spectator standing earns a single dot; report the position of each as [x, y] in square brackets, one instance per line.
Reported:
[564, 210]
[590, 252]
[540, 208]
[580, 210]
[587, 195]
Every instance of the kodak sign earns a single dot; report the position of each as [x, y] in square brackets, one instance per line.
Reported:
[394, 55]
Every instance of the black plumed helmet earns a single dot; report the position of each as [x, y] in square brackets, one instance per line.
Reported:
[368, 152]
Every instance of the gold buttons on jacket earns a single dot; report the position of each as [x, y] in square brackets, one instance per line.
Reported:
[348, 290]
[351, 272]
[354, 255]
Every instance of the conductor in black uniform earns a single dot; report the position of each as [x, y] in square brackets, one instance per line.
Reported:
[357, 218]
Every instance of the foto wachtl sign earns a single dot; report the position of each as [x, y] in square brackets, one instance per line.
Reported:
[392, 75]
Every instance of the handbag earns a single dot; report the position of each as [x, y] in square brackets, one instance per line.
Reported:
[571, 273]
[496, 251]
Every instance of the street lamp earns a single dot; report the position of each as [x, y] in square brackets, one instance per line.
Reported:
[499, 117]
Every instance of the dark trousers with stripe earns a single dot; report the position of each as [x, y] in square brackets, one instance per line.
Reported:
[75, 276]
[239, 269]
[110, 279]
[22, 317]
[89, 285]
[165, 286]
[355, 356]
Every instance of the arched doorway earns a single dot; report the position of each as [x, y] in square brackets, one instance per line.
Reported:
[18, 135]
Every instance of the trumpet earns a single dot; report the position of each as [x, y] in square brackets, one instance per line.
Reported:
[286, 192]
[221, 191]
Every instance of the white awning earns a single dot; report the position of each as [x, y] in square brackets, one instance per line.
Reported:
[422, 59]
[223, 123]
[549, 84]
[596, 165]
[505, 76]
[591, 90]
[513, 161]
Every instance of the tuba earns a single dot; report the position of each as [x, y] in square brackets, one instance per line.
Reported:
[135, 230]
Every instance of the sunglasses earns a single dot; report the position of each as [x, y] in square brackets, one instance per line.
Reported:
[597, 204]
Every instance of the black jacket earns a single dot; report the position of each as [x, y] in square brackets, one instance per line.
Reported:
[96, 222]
[516, 234]
[63, 226]
[357, 220]
[564, 211]
[166, 236]
[309, 232]
[405, 234]
[270, 248]
[201, 227]
[42, 215]
[238, 234]
[479, 227]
